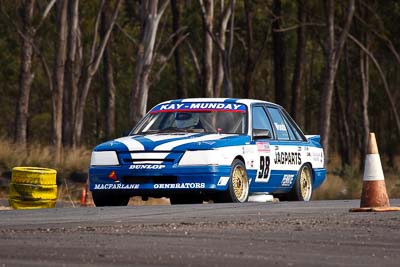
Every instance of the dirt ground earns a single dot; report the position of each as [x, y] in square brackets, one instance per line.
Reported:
[317, 233]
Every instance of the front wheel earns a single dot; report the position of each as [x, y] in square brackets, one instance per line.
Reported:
[238, 190]
[302, 189]
[101, 199]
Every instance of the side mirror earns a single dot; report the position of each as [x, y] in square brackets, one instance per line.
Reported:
[261, 134]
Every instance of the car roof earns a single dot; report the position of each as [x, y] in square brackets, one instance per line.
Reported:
[245, 101]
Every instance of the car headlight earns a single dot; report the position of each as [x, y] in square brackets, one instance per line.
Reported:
[200, 157]
[104, 158]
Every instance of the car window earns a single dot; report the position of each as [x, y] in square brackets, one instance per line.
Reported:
[294, 135]
[279, 123]
[293, 126]
[261, 120]
[290, 131]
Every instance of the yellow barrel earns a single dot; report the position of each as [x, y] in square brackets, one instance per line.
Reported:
[33, 188]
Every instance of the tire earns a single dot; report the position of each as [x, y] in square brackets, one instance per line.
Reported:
[302, 189]
[32, 188]
[33, 175]
[33, 191]
[101, 199]
[185, 199]
[238, 189]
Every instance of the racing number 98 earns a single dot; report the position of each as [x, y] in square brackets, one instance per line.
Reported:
[264, 167]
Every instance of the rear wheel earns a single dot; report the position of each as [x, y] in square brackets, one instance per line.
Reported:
[238, 190]
[302, 189]
[101, 199]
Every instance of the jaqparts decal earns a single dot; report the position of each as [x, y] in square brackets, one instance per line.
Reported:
[291, 158]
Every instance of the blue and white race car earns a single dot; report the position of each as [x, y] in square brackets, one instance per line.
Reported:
[201, 149]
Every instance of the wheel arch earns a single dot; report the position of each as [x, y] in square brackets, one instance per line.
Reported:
[239, 157]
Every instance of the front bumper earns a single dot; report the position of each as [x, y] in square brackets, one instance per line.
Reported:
[159, 182]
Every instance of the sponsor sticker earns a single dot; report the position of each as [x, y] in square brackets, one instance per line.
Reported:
[292, 158]
[287, 180]
[316, 156]
[180, 186]
[280, 126]
[263, 147]
[146, 167]
[223, 181]
[115, 186]
[250, 163]
[193, 106]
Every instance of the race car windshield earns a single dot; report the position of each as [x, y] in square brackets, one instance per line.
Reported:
[195, 117]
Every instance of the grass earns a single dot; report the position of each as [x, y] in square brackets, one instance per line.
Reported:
[341, 183]
[11, 155]
[74, 161]
[346, 182]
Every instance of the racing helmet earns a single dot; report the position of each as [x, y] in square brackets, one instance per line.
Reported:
[186, 119]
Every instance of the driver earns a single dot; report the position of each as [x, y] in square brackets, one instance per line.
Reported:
[186, 120]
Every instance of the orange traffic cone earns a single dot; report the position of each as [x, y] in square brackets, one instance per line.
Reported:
[84, 195]
[374, 196]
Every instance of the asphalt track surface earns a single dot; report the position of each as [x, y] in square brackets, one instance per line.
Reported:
[317, 233]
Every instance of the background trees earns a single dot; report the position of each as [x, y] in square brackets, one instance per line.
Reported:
[77, 72]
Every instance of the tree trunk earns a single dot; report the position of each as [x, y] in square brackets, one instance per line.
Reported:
[26, 76]
[364, 71]
[73, 71]
[343, 130]
[332, 60]
[344, 113]
[253, 56]
[207, 67]
[223, 75]
[227, 82]
[250, 62]
[97, 51]
[279, 55]
[300, 55]
[308, 101]
[181, 89]
[108, 74]
[144, 59]
[219, 79]
[59, 70]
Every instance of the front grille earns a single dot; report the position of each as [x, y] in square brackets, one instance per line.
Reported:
[159, 161]
[150, 179]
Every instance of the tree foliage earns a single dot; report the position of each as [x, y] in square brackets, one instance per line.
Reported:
[275, 50]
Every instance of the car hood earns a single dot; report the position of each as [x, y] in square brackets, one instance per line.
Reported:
[173, 142]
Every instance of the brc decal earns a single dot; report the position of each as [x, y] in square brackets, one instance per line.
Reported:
[287, 180]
